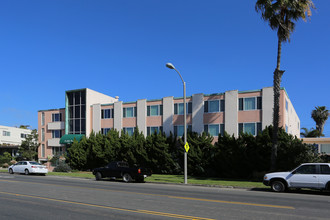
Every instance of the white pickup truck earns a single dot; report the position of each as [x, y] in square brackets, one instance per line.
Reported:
[307, 175]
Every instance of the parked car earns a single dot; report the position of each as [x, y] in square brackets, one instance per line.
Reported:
[120, 169]
[28, 167]
[308, 175]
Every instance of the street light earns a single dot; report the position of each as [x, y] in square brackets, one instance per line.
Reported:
[171, 66]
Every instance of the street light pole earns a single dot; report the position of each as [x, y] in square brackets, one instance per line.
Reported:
[171, 66]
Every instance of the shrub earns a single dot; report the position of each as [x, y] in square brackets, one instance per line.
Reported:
[5, 158]
[62, 167]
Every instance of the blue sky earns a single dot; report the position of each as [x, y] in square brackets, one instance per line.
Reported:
[120, 48]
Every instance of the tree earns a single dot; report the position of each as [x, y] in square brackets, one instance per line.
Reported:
[310, 133]
[24, 126]
[29, 147]
[280, 15]
[320, 115]
[77, 154]
[158, 154]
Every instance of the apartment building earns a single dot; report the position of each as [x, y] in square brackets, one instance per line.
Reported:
[232, 111]
[11, 138]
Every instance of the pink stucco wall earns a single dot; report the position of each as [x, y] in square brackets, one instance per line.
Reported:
[214, 118]
[215, 97]
[108, 122]
[48, 133]
[179, 119]
[249, 94]
[249, 116]
[154, 121]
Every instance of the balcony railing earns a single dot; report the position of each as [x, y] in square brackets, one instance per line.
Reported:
[59, 125]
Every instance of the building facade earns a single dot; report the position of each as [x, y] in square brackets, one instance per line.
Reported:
[322, 145]
[11, 138]
[232, 111]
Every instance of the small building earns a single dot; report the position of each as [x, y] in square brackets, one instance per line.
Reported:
[322, 144]
[11, 138]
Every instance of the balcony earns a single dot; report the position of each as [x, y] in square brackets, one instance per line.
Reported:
[54, 142]
[59, 125]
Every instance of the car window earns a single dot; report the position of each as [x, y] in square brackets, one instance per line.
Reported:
[19, 163]
[34, 163]
[325, 169]
[112, 165]
[123, 164]
[306, 169]
[24, 163]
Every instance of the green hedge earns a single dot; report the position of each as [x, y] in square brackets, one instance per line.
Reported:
[230, 157]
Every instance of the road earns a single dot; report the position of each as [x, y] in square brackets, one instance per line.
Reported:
[51, 197]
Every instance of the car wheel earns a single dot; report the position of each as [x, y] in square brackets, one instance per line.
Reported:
[98, 176]
[11, 171]
[327, 187]
[26, 172]
[127, 178]
[278, 186]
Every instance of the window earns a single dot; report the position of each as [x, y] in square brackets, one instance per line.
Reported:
[179, 130]
[43, 119]
[107, 113]
[57, 151]
[129, 112]
[154, 110]
[42, 150]
[251, 103]
[259, 102]
[42, 134]
[76, 107]
[105, 130]
[325, 169]
[286, 105]
[215, 129]
[23, 135]
[6, 133]
[152, 130]
[325, 148]
[56, 134]
[306, 169]
[178, 108]
[56, 117]
[214, 106]
[129, 130]
[250, 128]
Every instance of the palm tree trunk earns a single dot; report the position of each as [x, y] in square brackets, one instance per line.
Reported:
[276, 116]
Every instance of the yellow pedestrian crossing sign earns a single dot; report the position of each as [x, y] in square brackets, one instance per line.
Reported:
[186, 146]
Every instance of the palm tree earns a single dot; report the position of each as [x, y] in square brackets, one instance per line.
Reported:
[310, 133]
[320, 115]
[281, 14]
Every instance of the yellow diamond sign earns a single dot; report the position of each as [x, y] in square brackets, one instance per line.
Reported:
[186, 146]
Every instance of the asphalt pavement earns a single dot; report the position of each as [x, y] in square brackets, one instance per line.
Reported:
[52, 197]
